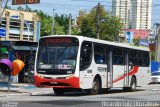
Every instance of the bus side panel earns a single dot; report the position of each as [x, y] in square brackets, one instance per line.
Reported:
[101, 70]
[118, 72]
[143, 76]
[87, 76]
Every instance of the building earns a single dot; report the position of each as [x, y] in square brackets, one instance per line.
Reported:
[121, 9]
[20, 26]
[22, 34]
[137, 37]
[139, 34]
[141, 14]
[136, 14]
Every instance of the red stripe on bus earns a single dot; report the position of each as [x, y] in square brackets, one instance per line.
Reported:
[133, 71]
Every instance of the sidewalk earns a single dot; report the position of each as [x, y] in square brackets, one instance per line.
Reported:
[23, 89]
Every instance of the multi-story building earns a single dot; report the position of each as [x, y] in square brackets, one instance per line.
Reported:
[121, 9]
[20, 26]
[141, 14]
[136, 14]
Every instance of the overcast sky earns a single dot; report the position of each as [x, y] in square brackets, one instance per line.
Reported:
[73, 7]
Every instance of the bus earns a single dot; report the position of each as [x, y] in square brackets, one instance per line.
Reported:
[70, 63]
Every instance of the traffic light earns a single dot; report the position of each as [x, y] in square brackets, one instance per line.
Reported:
[18, 2]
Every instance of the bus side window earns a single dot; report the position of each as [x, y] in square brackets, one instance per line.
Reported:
[86, 55]
[146, 59]
[100, 59]
[99, 53]
[133, 58]
[118, 56]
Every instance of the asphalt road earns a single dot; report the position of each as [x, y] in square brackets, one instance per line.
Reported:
[144, 96]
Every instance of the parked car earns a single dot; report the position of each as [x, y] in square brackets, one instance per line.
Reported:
[155, 77]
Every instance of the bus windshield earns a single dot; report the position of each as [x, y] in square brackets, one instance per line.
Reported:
[57, 55]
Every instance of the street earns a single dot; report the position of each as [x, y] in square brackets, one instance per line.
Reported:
[144, 96]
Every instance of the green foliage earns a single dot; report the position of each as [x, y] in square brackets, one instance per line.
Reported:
[136, 41]
[86, 29]
[110, 26]
[59, 30]
[152, 55]
[60, 22]
[27, 8]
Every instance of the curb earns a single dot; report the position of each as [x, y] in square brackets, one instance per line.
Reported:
[26, 94]
[41, 93]
[17, 94]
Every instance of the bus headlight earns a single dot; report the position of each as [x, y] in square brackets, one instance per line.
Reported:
[70, 76]
[39, 76]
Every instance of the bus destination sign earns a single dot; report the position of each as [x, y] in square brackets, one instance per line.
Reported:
[58, 41]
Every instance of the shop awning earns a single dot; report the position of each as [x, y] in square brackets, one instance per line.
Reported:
[25, 48]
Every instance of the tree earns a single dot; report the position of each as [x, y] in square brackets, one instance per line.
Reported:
[136, 41]
[86, 29]
[82, 15]
[60, 22]
[20, 8]
[110, 26]
[46, 23]
[59, 30]
[27, 8]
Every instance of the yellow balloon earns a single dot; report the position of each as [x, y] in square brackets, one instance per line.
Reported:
[17, 66]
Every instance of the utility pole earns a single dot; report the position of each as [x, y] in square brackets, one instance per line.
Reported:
[157, 34]
[53, 23]
[69, 26]
[0, 12]
[0, 22]
[98, 22]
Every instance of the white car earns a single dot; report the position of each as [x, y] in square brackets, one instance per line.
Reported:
[155, 77]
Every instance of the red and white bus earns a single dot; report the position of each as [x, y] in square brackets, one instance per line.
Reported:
[66, 62]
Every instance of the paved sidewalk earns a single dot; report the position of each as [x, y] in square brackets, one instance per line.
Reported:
[23, 89]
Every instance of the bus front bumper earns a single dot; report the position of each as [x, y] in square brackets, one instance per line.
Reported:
[71, 82]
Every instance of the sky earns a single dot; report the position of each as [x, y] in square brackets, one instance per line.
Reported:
[73, 7]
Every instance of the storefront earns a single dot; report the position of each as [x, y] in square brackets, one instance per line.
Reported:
[24, 51]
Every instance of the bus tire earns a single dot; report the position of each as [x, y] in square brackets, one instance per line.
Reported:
[58, 91]
[132, 84]
[95, 87]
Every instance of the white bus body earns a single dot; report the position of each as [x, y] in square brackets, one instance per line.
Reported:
[98, 65]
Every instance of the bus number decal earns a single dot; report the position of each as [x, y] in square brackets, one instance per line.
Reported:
[101, 69]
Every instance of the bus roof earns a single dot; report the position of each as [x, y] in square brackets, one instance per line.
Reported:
[82, 38]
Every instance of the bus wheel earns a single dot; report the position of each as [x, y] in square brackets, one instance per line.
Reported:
[133, 84]
[95, 87]
[58, 91]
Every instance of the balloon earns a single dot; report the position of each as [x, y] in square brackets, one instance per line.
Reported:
[5, 66]
[17, 66]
